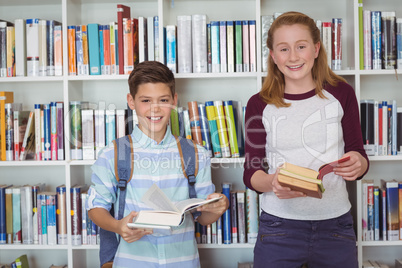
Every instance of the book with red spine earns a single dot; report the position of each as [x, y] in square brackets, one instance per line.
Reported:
[336, 44]
[128, 46]
[122, 12]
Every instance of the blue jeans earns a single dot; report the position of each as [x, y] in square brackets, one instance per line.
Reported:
[292, 243]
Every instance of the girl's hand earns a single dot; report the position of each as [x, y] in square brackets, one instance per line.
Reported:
[284, 192]
[131, 234]
[353, 168]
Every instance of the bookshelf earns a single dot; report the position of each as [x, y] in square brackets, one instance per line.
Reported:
[201, 87]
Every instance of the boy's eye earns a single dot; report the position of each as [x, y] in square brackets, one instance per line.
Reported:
[145, 101]
[164, 100]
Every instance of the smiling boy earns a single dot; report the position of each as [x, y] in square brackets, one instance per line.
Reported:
[156, 161]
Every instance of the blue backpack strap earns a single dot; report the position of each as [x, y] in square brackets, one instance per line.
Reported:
[189, 163]
[123, 166]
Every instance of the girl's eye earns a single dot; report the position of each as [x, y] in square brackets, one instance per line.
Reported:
[284, 49]
[303, 46]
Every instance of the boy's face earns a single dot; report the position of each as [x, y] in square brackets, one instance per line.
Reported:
[153, 104]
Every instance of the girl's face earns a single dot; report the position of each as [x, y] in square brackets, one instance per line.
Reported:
[294, 53]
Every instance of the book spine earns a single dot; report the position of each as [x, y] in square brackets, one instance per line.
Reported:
[195, 122]
[3, 49]
[35, 214]
[399, 43]
[134, 23]
[213, 128]
[100, 139]
[180, 119]
[171, 47]
[199, 43]
[53, 131]
[32, 51]
[187, 125]
[10, 36]
[42, 48]
[141, 38]
[84, 231]
[367, 125]
[110, 126]
[222, 129]
[376, 133]
[367, 40]
[122, 12]
[238, 46]
[44, 218]
[215, 47]
[17, 227]
[174, 122]
[17, 136]
[219, 231]
[388, 31]
[128, 46]
[229, 116]
[246, 46]
[151, 39]
[9, 131]
[94, 49]
[39, 217]
[20, 47]
[394, 127]
[60, 130]
[233, 214]
[392, 210]
[230, 46]
[88, 146]
[113, 69]
[61, 215]
[214, 233]
[370, 212]
[361, 34]
[3, 236]
[383, 214]
[376, 194]
[252, 41]
[336, 44]
[51, 218]
[184, 57]
[205, 133]
[376, 39]
[241, 217]
[38, 150]
[384, 128]
[72, 64]
[75, 199]
[226, 188]
[156, 38]
[50, 24]
[47, 132]
[327, 40]
[223, 46]
[79, 50]
[76, 130]
[120, 123]
[209, 48]
[106, 49]
[58, 51]
[9, 215]
[400, 209]
[266, 21]
[27, 215]
[252, 215]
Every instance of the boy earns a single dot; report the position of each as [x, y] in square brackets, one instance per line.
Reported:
[156, 160]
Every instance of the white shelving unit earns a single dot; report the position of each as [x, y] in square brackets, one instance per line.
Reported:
[200, 87]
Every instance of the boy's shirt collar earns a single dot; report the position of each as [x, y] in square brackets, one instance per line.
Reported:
[146, 141]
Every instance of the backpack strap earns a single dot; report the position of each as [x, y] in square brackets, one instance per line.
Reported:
[123, 167]
[189, 162]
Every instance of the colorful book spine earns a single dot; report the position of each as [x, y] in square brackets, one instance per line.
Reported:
[53, 131]
[233, 215]
[171, 47]
[58, 50]
[388, 31]
[32, 48]
[128, 46]
[88, 144]
[230, 120]
[400, 209]
[79, 50]
[156, 38]
[187, 124]
[106, 50]
[376, 42]
[215, 47]
[76, 130]
[9, 215]
[110, 126]
[84, 231]
[238, 46]
[174, 122]
[42, 48]
[392, 209]
[246, 46]
[93, 48]
[230, 46]
[209, 48]
[134, 23]
[327, 40]
[35, 214]
[9, 131]
[383, 220]
[10, 36]
[60, 130]
[47, 132]
[3, 236]
[72, 64]
[17, 226]
[252, 215]
[376, 194]
[206, 138]
[336, 44]
[226, 228]
[370, 212]
[51, 218]
[399, 43]
[195, 122]
[252, 45]
[123, 11]
[222, 129]
[43, 214]
[223, 46]
[213, 128]
[85, 56]
[3, 49]
[367, 40]
[61, 215]
[113, 69]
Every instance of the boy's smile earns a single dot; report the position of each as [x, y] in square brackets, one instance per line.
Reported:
[153, 104]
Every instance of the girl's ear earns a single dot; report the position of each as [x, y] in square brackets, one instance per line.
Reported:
[317, 49]
[271, 53]
[130, 101]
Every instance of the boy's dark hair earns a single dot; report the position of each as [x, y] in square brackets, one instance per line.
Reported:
[150, 72]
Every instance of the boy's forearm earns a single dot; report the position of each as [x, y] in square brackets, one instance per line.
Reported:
[102, 218]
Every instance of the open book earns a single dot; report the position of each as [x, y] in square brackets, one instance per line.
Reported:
[304, 179]
[165, 213]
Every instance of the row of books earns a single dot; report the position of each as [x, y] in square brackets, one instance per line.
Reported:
[381, 217]
[31, 47]
[381, 125]
[216, 125]
[381, 264]
[382, 40]
[331, 37]
[239, 224]
[31, 215]
[20, 262]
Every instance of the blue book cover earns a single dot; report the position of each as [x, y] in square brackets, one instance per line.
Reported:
[376, 192]
[392, 190]
[376, 39]
[215, 47]
[43, 215]
[206, 138]
[93, 49]
[3, 237]
[226, 227]
[46, 131]
[171, 47]
[51, 218]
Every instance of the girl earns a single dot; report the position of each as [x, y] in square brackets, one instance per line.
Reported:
[305, 115]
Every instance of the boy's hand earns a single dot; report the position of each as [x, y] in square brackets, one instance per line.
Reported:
[130, 235]
[218, 207]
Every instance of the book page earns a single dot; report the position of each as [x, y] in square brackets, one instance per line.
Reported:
[193, 203]
[156, 199]
[328, 168]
